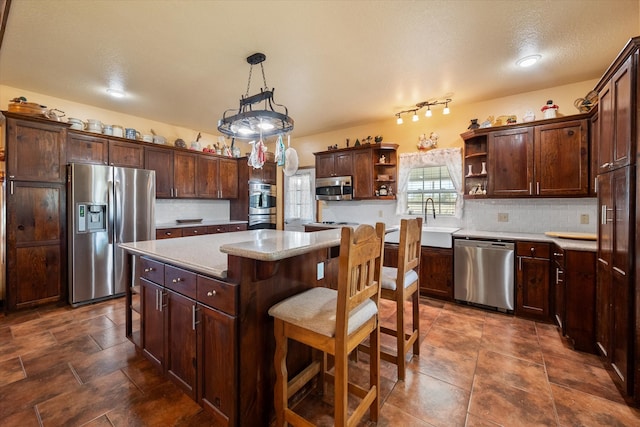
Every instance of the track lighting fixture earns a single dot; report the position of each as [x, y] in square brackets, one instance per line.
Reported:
[421, 105]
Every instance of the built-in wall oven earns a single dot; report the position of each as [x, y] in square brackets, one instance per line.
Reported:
[262, 205]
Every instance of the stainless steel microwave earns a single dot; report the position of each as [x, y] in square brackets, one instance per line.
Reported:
[334, 188]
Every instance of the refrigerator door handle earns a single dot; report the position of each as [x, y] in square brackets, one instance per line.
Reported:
[110, 208]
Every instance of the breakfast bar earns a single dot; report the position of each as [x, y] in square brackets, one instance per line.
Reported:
[197, 308]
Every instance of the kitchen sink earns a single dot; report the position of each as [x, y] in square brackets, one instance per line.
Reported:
[437, 237]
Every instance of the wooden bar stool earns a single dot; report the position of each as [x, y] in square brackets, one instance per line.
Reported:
[334, 322]
[407, 275]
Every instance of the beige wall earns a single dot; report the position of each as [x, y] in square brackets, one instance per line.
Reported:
[448, 127]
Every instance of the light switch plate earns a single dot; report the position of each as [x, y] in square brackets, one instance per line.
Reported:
[503, 217]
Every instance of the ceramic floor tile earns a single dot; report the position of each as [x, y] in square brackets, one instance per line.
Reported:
[104, 362]
[461, 322]
[25, 329]
[82, 327]
[37, 362]
[101, 421]
[26, 344]
[453, 341]
[582, 377]
[110, 336]
[143, 374]
[513, 345]
[26, 393]
[556, 347]
[445, 365]
[431, 400]
[25, 418]
[578, 408]
[494, 401]
[475, 421]
[11, 370]
[88, 401]
[518, 373]
[392, 416]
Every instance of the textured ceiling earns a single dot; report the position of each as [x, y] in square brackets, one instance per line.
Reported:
[332, 63]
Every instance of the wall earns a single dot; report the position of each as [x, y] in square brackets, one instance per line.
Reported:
[168, 210]
[525, 215]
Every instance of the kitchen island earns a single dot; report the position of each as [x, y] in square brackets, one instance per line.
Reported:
[198, 310]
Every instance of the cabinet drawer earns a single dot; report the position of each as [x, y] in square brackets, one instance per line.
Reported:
[181, 281]
[168, 233]
[217, 294]
[533, 249]
[237, 227]
[152, 270]
[214, 229]
[194, 231]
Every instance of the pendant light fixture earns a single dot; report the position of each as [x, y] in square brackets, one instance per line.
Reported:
[249, 121]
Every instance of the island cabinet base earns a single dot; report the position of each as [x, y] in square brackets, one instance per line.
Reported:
[223, 327]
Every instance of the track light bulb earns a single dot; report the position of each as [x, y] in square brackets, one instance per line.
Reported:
[415, 116]
[428, 113]
[446, 109]
[399, 120]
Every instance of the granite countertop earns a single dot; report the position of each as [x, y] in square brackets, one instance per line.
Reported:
[203, 223]
[207, 254]
[567, 244]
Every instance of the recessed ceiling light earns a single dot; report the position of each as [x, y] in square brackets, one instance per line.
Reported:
[528, 61]
[115, 93]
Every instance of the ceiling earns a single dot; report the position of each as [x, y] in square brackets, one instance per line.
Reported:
[334, 64]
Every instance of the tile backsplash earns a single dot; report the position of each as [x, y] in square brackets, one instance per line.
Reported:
[522, 215]
[168, 210]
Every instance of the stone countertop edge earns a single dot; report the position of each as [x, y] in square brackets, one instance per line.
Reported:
[174, 224]
[567, 244]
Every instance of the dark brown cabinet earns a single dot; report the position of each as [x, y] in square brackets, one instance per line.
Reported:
[161, 161]
[339, 163]
[616, 98]
[532, 280]
[436, 269]
[216, 178]
[436, 272]
[35, 150]
[184, 175]
[614, 331]
[87, 149]
[36, 244]
[266, 174]
[371, 167]
[575, 296]
[36, 258]
[521, 160]
[189, 332]
[126, 154]
[510, 168]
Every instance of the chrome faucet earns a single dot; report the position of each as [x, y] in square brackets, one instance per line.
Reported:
[433, 206]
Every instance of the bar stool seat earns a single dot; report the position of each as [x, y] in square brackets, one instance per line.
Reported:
[334, 322]
[390, 274]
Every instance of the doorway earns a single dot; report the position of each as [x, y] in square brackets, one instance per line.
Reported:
[299, 199]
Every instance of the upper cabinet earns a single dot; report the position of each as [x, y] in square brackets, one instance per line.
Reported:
[35, 150]
[373, 168]
[522, 160]
[615, 119]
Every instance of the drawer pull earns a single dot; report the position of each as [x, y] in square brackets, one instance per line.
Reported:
[176, 280]
[167, 233]
[211, 293]
[149, 270]
[557, 254]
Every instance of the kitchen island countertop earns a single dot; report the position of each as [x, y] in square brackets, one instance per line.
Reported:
[567, 244]
[207, 254]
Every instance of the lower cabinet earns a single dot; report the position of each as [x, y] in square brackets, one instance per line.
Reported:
[169, 233]
[575, 297]
[436, 272]
[436, 269]
[532, 280]
[189, 332]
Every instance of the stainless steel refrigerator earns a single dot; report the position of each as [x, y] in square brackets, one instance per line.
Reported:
[106, 205]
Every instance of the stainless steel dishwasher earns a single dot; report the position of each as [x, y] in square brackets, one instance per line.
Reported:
[484, 272]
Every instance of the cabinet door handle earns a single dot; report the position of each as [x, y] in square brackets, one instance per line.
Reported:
[161, 299]
[211, 293]
[175, 192]
[157, 303]
[520, 263]
[603, 214]
[530, 188]
[538, 187]
[148, 270]
[193, 317]
[177, 279]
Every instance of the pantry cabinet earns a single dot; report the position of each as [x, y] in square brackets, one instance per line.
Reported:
[36, 234]
[522, 160]
[532, 280]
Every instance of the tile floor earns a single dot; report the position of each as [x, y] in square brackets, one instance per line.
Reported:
[74, 367]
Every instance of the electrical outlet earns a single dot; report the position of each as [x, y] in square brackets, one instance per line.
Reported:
[320, 271]
[584, 219]
[380, 214]
[503, 217]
